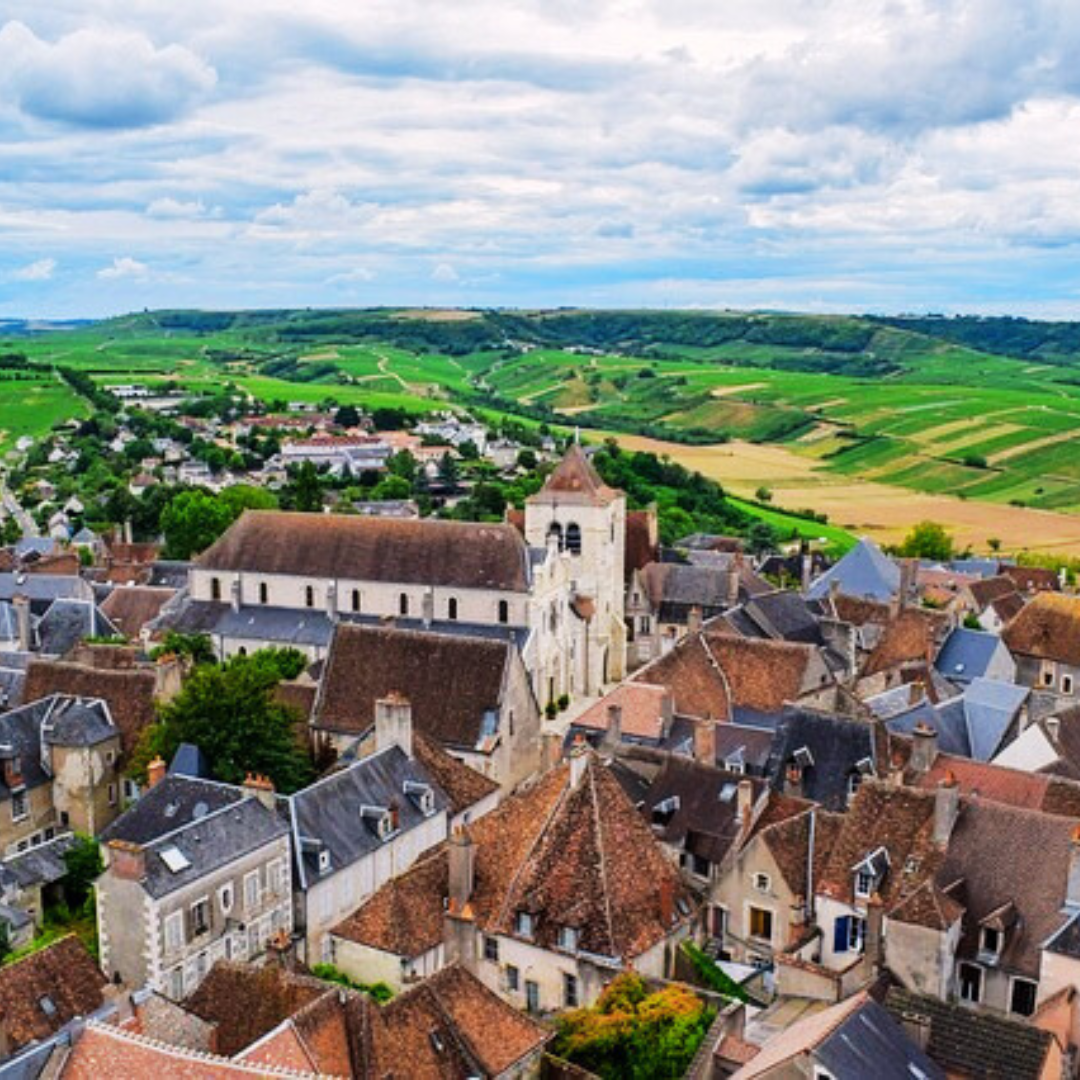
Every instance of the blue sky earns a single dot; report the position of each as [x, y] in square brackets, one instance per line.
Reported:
[885, 155]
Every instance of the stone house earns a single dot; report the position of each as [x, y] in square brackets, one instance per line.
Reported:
[1044, 638]
[196, 872]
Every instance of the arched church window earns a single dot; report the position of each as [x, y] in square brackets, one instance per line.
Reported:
[573, 538]
[556, 531]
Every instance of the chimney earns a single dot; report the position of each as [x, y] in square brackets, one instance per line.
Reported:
[875, 933]
[908, 581]
[22, 617]
[127, 532]
[745, 803]
[427, 606]
[733, 582]
[667, 710]
[462, 866]
[262, 787]
[155, 772]
[924, 747]
[667, 900]
[331, 601]
[393, 723]
[946, 807]
[579, 762]
[234, 594]
[693, 620]
[807, 566]
[793, 784]
[917, 1028]
[1072, 885]
[126, 860]
[614, 724]
[705, 741]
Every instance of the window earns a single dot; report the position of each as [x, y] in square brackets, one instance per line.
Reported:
[225, 898]
[356, 599]
[403, 604]
[853, 781]
[762, 882]
[215, 588]
[504, 611]
[309, 595]
[570, 990]
[1066, 684]
[513, 980]
[1022, 997]
[251, 891]
[1048, 673]
[18, 805]
[200, 917]
[849, 932]
[110, 757]
[761, 924]
[991, 940]
[573, 538]
[556, 532]
[568, 938]
[532, 996]
[264, 593]
[176, 983]
[112, 794]
[174, 931]
[524, 924]
[970, 983]
[864, 884]
[491, 949]
[284, 878]
[451, 608]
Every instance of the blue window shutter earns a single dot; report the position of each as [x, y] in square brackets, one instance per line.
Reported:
[841, 933]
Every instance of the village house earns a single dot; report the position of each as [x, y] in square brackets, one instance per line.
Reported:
[545, 899]
[196, 872]
[1044, 638]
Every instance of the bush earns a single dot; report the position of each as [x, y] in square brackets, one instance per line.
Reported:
[328, 973]
[563, 702]
[551, 710]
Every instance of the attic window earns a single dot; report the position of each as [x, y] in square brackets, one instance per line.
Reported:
[865, 766]
[422, 795]
[665, 810]
[762, 883]
[324, 861]
[803, 758]
[524, 924]
[991, 940]
[727, 792]
[864, 884]
[175, 859]
[568, 938]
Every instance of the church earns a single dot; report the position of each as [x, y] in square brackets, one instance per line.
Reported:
[553, 582]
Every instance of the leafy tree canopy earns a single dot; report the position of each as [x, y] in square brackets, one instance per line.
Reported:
[927, 540]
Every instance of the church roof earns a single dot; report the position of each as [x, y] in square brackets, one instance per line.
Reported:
[575, 480]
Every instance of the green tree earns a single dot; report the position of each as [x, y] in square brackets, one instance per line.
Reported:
[761, 538]
[927, 540]
[391, 488]
[403, 464]
[83, 863]
[191, 522]
[763, 494]
[241, 497]
[305, 490]
[348, 416]
[449, 473]
[198, 648]
[230, 713]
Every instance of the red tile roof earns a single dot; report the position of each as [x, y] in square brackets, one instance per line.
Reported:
[575, 481]
[642, 708]
[692, 677]
[130, 607]
[1047, 628]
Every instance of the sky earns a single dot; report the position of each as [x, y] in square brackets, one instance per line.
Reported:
[815, 155]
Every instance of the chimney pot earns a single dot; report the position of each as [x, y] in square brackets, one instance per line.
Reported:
[155, 772]
[924, 747]
[462, 870]
[705, 742]
[393, 723]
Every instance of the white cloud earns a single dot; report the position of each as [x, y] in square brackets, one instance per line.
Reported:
[38, 270]
[168, 207]
[124, 267]
[446, 274]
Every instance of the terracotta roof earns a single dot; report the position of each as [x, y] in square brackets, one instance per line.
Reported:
[575, 481]
[464, 786]
[762, 674]
[642, 708]
[986, 590]
[1034, 791]
[911, 636]
[736, 1050]
[129, 693]
[1047, 628]
[282, 1048]
[64, 974]
[246, 1002]
[297, 695]
[419, 551]
[642, 539]
[405, 917]
[929, 906]
[67, 565]
[788, 842]
[859, 612]
[691, 676]
[130, 607]
[1032, 578]
[451, 681]
[899, 819]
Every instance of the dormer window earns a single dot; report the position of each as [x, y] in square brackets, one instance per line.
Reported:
[568, 938]
[864, 884]
[324, 861]
[869, 873]
[665, 810]
[524, 924]
[380, 819]
[991, 940]
[803, 758]
[422, 795]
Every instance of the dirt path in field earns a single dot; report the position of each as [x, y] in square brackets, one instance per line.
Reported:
[727, 391]
[863, 506]
[1035, 444]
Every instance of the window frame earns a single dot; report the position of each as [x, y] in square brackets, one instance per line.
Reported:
[252, 876]
[571, 990]
[1015, 982]
[203, 925]
[20, 798]
[967, 966]
[766, 918]
[172, 931]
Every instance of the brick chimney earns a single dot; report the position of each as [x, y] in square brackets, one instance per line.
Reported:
[875, 933]
[946, 807]
[155, 772]
[745, 804]
[462, 866]
[924, 747]
[579, 762]
[614, 724]
[705, 741]
[127, 861]
[262, 787]
[667, 900]
[393, 723]
[693, 620]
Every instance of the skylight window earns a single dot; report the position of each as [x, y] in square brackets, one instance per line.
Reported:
[175, 859]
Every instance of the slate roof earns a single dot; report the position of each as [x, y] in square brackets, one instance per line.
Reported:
[171, 804]
[967, 654]
[453, 683]
[836, 745]
[864, 572]
[1048, 628]
[42, 589]
[39, 865]
[982, 1045]
[129, 692]
[741, 745]
[63, 974]
[418, 551]
[855, 1038]
[782, 615]
[328, 812]
[67, 622]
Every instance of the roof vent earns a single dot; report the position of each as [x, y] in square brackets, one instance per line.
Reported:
[48, 1006]
[200, 811]
[174, 859]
